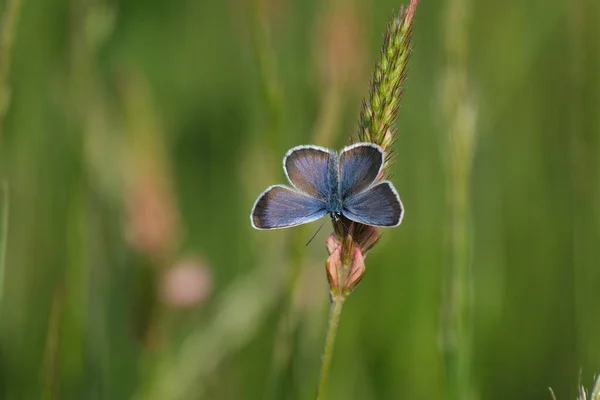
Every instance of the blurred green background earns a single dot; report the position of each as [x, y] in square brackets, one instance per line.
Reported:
[139, 134]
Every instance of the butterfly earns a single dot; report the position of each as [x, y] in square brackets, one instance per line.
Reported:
[327, 182]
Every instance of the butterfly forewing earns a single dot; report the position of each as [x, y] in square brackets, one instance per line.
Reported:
[307, 168]
[360, 164]
[379, 205]
[281, 207]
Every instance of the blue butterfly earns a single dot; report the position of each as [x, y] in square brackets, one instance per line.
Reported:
[327, 182]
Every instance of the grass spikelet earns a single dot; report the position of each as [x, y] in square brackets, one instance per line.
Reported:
[380, 110]
[351, 241]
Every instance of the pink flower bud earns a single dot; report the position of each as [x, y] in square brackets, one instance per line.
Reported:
[357, 271]
[332, 243]
[334, 263]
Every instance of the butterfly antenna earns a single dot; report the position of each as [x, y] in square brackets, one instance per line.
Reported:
[315, 234]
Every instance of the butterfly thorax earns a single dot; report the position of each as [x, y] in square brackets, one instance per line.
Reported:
[334, 200]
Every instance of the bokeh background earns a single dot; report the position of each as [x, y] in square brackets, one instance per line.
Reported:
[139, 134]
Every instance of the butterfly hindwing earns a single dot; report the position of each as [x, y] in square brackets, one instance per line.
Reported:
[360, 164]
[379, 206]
[281, 207]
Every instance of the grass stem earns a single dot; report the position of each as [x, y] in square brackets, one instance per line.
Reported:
[460, 117]
[332, 326]
[3, 235]
[8, 26]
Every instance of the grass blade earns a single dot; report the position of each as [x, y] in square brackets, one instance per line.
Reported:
[3, 234]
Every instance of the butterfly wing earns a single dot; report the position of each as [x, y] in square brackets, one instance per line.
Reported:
[308, 170]
[360, 164]
[282, 207]
[380, 205]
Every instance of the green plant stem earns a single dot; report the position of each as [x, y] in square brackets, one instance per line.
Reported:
[267, 63]
[332, 326]
[460, 117]
[3, 235]
[8, 26]
[596, 389]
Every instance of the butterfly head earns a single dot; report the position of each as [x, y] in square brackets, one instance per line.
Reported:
[336, 216]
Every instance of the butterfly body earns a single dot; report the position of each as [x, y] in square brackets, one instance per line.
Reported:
[327, 182]
[334, 200]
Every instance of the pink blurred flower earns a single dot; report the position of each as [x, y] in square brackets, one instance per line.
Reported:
[152, 218]
[187, 283]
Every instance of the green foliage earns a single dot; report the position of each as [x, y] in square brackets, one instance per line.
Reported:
[139, 133]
